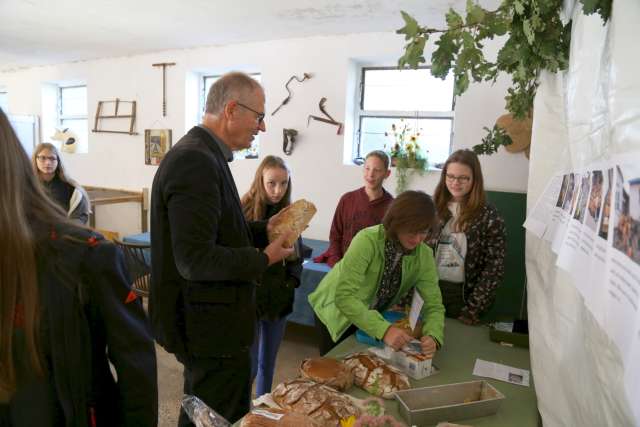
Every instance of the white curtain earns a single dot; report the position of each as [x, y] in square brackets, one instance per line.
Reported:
[589, 113]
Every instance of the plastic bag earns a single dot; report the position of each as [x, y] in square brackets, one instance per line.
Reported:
[201, 414]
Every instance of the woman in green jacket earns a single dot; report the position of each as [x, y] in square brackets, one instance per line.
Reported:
[382, 265]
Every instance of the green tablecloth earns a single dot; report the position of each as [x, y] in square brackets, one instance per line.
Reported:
[455, 361]
[463, 345]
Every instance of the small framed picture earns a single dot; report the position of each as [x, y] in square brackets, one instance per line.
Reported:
[156, 144]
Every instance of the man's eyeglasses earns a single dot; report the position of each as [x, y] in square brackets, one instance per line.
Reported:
[52, 159]
[462, 179]
[259, 116]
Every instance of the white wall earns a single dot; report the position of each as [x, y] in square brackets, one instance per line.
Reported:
[320, 174]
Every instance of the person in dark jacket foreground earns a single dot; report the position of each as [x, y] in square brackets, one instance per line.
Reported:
[66, 312]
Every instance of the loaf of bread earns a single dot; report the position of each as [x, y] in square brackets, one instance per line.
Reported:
[327, 371]
[323, 404]
[271, 417]
[294, 217]
[376, 376]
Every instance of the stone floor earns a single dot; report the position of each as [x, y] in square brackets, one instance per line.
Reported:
[298, 344]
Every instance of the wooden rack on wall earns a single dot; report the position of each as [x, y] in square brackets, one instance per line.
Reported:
[115, 115]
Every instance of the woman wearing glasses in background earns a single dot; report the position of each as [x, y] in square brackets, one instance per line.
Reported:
[469, 241]
[63, 190]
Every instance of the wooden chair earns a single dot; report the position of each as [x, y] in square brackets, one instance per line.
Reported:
[138, 257]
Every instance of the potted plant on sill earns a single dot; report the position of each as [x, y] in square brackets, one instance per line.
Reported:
[406, 155]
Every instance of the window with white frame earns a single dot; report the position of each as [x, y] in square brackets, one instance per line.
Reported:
[207, 81]
[72, 109]
[4, 101]
[391, 98]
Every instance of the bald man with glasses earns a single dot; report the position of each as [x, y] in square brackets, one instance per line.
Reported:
[204, 256]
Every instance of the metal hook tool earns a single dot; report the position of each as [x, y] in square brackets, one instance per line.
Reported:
[288, 98]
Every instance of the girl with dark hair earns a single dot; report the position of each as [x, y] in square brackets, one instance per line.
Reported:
[469, 239]
[270, 192]
[382, 265]
[66, 311]
[49, 169]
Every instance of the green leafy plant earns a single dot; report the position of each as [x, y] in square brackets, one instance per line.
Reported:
[492, 141]
[406, 154]
[537, 40]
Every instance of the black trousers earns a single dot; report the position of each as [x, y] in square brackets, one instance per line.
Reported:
[325, 343]
[224, 384]
[452, 298]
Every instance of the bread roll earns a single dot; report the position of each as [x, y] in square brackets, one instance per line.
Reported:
[327, 371]
[294, 217]
[325, 405]
[271, 417]
[375, 376]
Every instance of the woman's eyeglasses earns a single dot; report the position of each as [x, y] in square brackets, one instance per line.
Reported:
[462, 179]
[259, 116]
[43, 159]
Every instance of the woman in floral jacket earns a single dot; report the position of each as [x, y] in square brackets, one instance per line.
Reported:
[469, 241]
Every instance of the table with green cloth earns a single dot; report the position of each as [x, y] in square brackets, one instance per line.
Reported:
[455, 362]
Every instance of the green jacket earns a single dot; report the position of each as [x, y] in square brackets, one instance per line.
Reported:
[344, 295]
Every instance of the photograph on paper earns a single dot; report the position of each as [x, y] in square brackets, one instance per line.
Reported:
[568, 198]
[626, 232]
[575, 193]
[563, 190]
[606, 207]
[581, 204]
[595, 201]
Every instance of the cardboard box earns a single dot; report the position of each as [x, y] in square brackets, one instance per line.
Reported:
[414, 364]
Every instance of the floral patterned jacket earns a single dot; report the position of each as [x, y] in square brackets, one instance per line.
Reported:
[484, 262]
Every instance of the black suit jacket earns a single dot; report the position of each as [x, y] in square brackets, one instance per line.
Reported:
[203, 257]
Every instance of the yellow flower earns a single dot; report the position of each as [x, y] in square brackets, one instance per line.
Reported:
[413, 138]
[348, 422]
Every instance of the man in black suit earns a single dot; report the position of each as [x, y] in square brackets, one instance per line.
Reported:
[204, 259]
